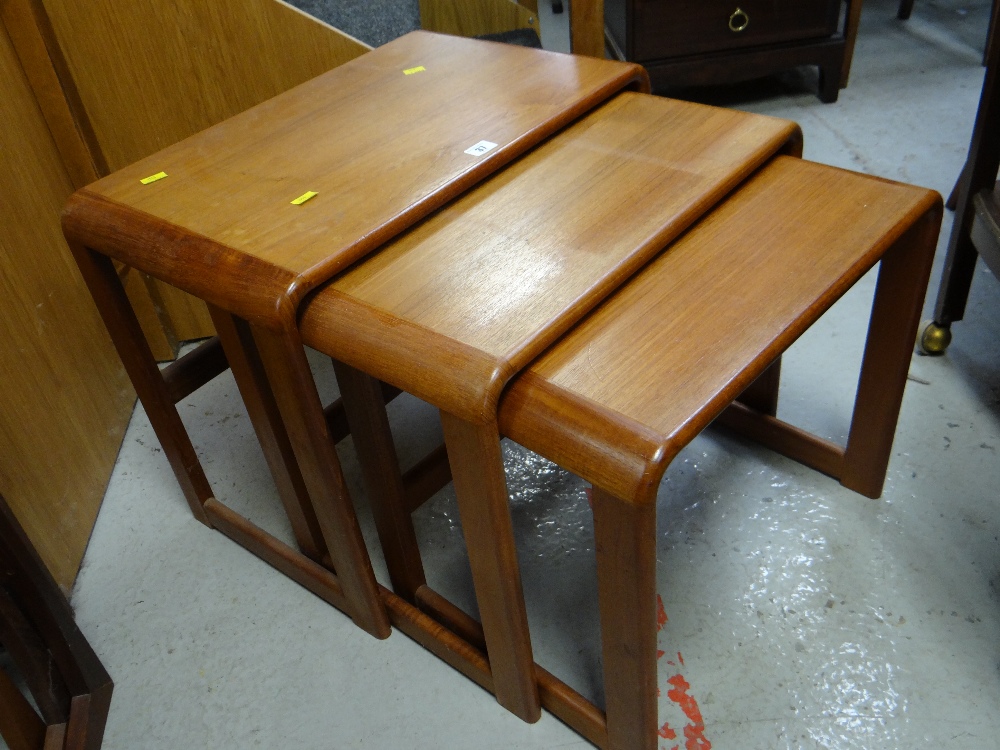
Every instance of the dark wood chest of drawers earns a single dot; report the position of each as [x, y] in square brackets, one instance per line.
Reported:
[696, 42]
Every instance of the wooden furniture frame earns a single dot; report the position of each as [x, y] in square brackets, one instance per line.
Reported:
[404, 121]
[622, 393]
[976, 229]
[66, 680]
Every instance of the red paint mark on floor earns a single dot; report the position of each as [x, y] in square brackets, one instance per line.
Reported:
[694, 732]
[666, 732]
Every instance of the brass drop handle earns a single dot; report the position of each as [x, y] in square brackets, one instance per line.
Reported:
[739, 20]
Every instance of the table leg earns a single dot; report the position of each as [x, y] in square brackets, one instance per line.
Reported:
[248, 370]
[899, 295]
[625, 543]
[762, 394]
[483, 503]
[299, 404]
[364, 403]
[119, 318]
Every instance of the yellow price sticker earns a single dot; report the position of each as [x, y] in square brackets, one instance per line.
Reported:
[153, 178]
[411, 71]
[304, 197]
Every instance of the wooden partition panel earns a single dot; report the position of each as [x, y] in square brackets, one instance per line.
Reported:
[42, 61]
[64, 398]
[151, 73]
[84, 88]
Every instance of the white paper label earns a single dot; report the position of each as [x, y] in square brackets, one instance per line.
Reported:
[480, 148]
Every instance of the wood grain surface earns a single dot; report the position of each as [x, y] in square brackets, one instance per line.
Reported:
[454, 308]
[380, 147]
[451, 310]
[65, 399]
[150, 74]
[44, 65]
[723, 301]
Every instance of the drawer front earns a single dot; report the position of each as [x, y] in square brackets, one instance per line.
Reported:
[669, 28]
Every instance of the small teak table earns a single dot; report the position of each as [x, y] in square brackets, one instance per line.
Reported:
[695, 337]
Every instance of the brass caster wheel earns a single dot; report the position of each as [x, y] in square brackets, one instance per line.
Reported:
[933, 339]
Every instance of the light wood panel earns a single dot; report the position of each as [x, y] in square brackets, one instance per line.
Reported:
[476, 17]
[45, 67]
[152, 73]
[79, 82]
[65, 400]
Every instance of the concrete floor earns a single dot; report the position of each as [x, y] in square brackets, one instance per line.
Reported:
[800, 614]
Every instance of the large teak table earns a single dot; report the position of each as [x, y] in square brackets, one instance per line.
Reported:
[256, 211]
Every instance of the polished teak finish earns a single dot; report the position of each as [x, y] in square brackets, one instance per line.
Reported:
[456, 307]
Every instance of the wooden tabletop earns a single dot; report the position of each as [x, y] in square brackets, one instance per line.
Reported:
[452, 309]
[381, 141]
[605, 402]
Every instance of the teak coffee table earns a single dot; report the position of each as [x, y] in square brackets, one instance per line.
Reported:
[251, 214]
